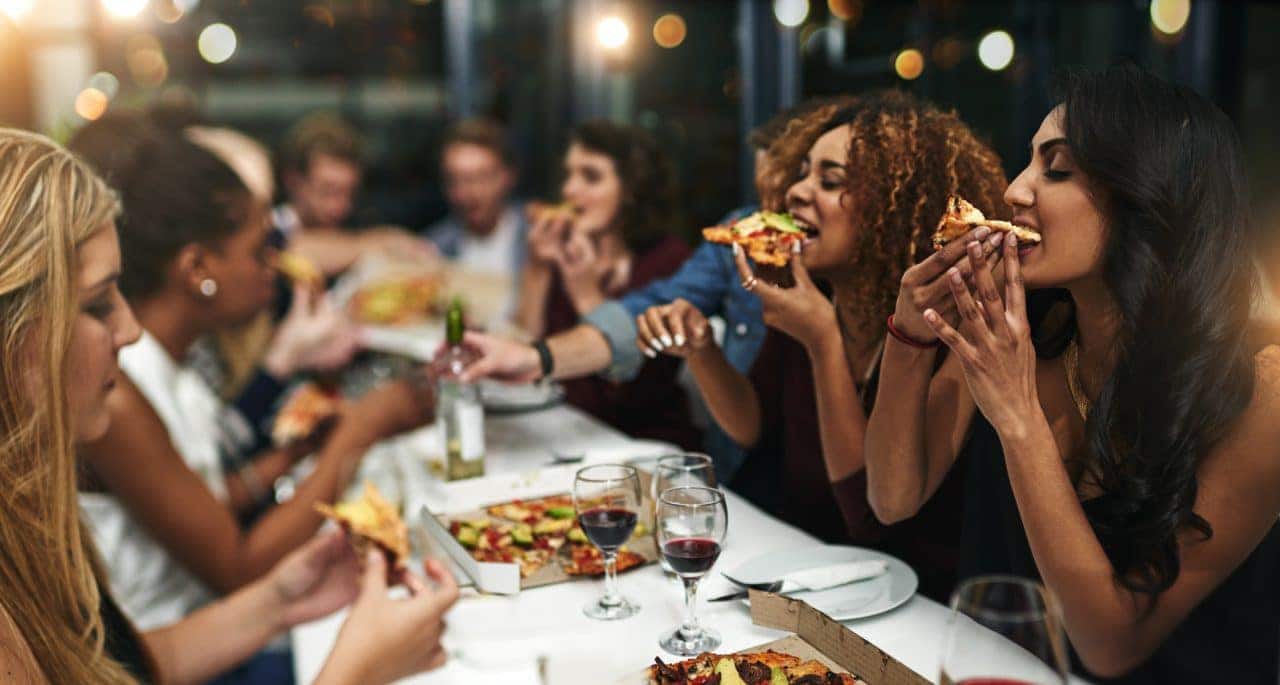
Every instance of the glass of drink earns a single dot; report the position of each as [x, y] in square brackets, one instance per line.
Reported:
[691, 524]
[1004, 630]
[606, 499]
[678, 470]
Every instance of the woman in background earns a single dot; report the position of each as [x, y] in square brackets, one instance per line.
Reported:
[618, 236]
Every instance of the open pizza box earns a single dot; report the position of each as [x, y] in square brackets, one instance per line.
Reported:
[504, 578]
[815, 636]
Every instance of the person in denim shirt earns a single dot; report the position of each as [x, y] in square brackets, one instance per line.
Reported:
[605, 341]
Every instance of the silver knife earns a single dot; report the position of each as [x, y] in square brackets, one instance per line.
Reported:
[811, 579]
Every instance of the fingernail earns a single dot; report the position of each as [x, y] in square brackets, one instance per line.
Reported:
[975, 248]
[982, 232]
[737, 249]
[666, 341]
[797, 247]
[1013, 240]
[956, 277]
[997, 239]
[650, 353]
[930, 315]
[679, 341]
[655, 345]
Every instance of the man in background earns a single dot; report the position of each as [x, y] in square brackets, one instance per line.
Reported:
[485, 230]
[322, 164]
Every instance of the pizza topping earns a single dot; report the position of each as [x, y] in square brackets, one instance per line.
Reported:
[754, 672]
[767, 237]
[372, 520]
[961, 217]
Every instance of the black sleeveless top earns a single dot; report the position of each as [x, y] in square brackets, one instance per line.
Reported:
[1233, 636]
[123, 643]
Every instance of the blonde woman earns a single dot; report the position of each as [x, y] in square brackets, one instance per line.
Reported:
[62, 322]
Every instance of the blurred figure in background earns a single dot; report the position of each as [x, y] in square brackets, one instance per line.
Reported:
[485, 229]
[616, 234]
[321, 166]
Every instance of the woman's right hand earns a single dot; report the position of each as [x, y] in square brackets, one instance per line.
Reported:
[924, 286]
[547, 237]
[385, 639]
[678, 329]
[314, 334]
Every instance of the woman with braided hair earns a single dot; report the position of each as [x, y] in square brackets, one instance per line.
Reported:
[865, 179]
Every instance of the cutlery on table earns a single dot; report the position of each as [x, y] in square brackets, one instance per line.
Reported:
[810, 579]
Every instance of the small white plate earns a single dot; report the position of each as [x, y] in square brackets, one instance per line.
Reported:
[846, 602]
[509, 398]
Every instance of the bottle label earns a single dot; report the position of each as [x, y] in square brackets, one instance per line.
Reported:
[470, 417]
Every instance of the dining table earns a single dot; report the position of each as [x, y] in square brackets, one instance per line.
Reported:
[540, 636]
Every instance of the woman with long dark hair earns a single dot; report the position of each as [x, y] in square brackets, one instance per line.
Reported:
[1119, 422]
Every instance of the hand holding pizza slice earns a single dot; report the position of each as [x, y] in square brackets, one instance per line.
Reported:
[962, 217]
[372, 522]
[766, 237]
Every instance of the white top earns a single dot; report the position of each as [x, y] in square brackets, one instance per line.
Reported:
[152, 588]
[491, 253]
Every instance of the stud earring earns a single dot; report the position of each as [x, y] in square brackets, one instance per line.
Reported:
[208, 287]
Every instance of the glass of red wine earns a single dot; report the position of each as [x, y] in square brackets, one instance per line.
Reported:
[677, 470]
[1004, 630]
[691, 524]
[606, 499]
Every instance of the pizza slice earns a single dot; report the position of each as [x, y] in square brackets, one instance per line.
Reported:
[751, 668]
[586, 560]
[299, 269]
[535, 212]
[372, 523]
[766, 237]
[961, 217]
[303, 413]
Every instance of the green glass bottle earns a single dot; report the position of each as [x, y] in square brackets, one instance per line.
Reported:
[459, 413]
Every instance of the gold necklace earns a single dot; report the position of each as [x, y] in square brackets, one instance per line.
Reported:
[1071, 358]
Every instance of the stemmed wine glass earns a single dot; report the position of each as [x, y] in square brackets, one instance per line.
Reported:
[691, 524]
[606, 498]
[993, 616]
[677, 470]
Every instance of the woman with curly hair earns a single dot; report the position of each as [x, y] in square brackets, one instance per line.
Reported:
[621, 189]
[862, 179]
[1120, 422]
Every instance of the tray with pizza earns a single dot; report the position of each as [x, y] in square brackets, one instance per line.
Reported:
[539, 538]
[818, 651]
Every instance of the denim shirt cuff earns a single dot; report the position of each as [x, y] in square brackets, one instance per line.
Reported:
[619, 329]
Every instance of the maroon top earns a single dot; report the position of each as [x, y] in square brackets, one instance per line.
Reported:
[652, 405]
[928, 542]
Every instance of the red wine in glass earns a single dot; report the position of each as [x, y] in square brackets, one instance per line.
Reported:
[691, 556]
[607, 527]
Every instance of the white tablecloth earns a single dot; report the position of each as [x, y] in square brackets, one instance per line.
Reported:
[494, 639]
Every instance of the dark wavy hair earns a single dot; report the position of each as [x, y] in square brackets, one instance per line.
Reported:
[1165, 168]
[649, 209]
[173, 193]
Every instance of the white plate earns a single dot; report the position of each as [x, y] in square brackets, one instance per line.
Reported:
[510, 398]
[846, 602]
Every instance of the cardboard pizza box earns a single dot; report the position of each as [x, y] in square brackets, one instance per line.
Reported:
[827, 640]
[814, 635]
[504, 578]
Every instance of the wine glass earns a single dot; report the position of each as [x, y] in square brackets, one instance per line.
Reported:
[691, 524]
[1004, 630]
[677, 470]
[606, 498]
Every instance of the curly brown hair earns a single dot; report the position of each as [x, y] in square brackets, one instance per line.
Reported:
[906, 158]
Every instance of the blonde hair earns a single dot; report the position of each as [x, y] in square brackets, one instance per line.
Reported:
[50, 203]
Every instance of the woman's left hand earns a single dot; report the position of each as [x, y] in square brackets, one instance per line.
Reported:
[994, 341]
[319, 578]
[801, 311]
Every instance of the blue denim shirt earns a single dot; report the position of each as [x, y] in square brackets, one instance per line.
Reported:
[709, 281]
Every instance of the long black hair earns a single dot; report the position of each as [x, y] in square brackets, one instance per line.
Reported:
[1165, 167]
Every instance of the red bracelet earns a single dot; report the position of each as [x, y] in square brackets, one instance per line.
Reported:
[905, 340]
